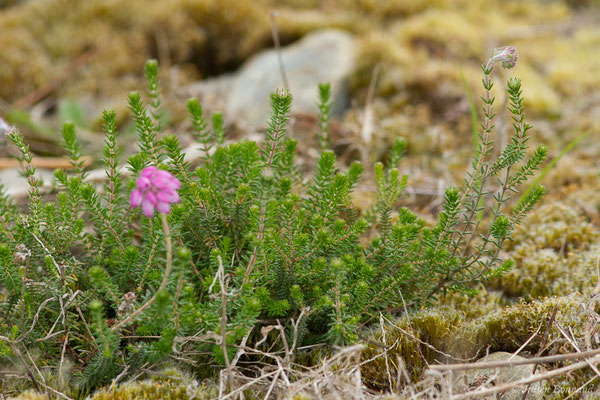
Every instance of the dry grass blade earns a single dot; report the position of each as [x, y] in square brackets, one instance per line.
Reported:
[509, 364]
[366, 131]
[275, 35]
[37, 95]
[338, 376]
[385, 355]
[527, 381]
[543, 345]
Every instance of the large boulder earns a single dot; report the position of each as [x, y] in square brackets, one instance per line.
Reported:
[321, 56]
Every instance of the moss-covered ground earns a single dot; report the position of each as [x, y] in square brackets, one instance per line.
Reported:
[428, 53]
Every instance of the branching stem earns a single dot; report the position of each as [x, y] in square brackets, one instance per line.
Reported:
[164, 282]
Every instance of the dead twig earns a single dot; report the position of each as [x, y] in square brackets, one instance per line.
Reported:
[38, 94]
[542, 346]
[46, 162]
[529, 380]
[573, 343]
[416, 339]
[385, 357]
[509, 364]
[594, 298]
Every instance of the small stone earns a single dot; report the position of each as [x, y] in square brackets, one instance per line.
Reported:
[321, 56]
[469, 381]
[16, 185]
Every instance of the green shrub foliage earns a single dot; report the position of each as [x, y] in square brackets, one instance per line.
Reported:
[253, 242]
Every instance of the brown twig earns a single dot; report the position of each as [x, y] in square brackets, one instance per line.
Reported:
[385, 357]
[590, 308]
[223, 286]
[176, 300]
[38, 94]
[542, 346]
[529, 380]
[510, 364]
[46, 162]
[573, 343]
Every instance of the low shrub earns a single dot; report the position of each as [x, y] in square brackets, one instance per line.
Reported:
[97, 287]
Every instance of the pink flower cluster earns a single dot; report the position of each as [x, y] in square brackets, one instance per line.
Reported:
[155, 189]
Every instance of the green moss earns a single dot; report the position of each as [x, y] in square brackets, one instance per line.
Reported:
[555, 253]
[433, 327]
[509, 328]
[484, 302]
[451, 31]
[451, 333]
[170, 384]
[207, 37]
[557, 226]
[31, 395]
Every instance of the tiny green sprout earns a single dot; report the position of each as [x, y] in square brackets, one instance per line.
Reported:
[253, 305]
[326, 301]
[297, 294]
[188, 290]
[184, 253]
[348, 258]
[162, 297]
[379, 171]
[362, 286]
[96, 273]
[95, 305]
[339, 225]
[323, 235]
[501, 227]
[337, 265]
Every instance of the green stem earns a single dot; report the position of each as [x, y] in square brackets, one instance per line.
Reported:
[164, 282]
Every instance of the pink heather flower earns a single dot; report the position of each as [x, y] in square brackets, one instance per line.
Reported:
[155, 189]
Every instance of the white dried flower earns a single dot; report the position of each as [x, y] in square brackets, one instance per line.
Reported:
[508, 56]
[22, 254]
[128, 299]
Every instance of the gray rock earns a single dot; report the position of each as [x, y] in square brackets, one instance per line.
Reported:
[321, 56]
[16, 185]
[487, 378]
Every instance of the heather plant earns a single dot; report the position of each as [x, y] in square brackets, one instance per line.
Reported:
[97, 287]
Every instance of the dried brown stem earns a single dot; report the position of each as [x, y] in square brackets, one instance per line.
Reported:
[529, 380]
[510, 364]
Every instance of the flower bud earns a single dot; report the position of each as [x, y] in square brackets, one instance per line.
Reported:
[95, 305]
[508, 56]
[5, 128]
